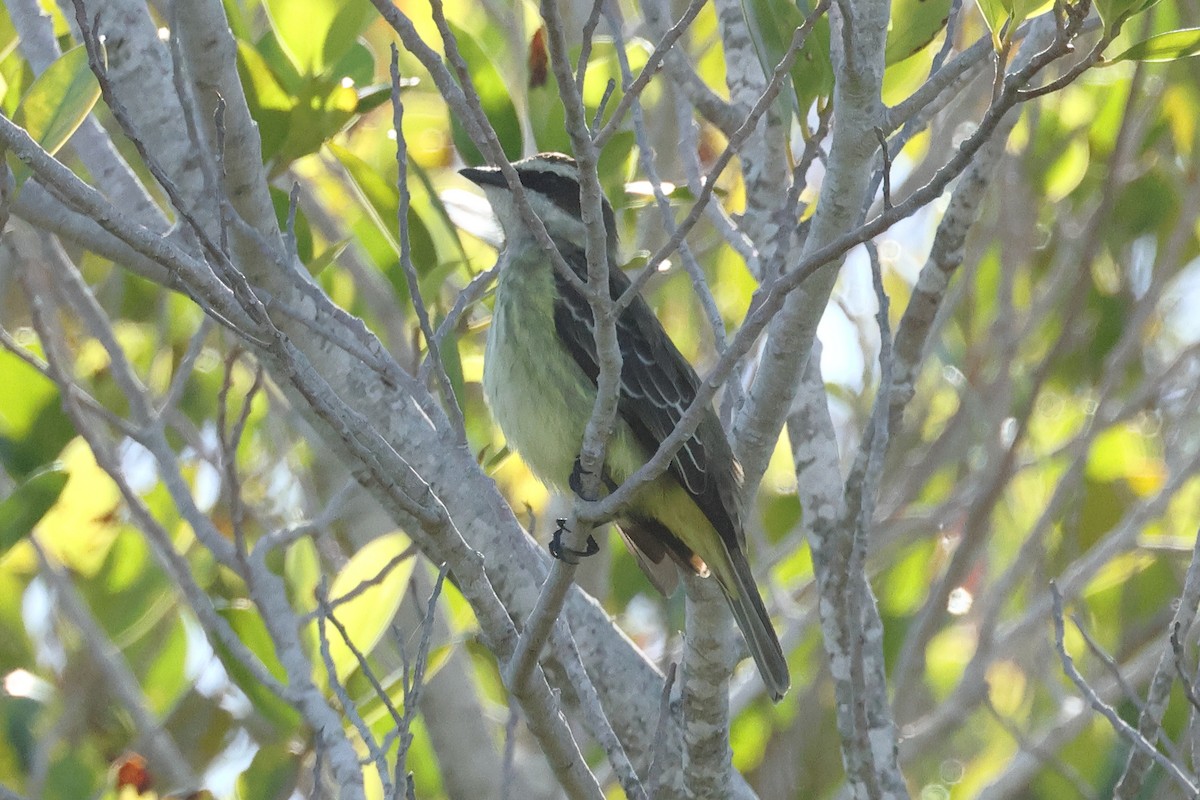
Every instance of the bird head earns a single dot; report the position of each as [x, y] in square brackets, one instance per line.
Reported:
[551, 186]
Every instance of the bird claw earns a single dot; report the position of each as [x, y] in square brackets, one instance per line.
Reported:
[578, 473]
[566, 554]
[575, 481]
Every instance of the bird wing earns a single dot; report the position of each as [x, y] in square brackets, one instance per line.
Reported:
[657, 386]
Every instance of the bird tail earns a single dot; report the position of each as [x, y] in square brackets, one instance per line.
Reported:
[755, 624]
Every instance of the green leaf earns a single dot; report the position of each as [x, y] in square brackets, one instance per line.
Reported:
[1003, 16]
[772, 24]
[373, 96]
[238, 20]
[317, 33]
[272, 775]
[381, 201]
[428, 206]
[495, 98]
[249, 627]
[322, 111]
[369, 611]
[166, 681]
[33, 427]
[57, 103]
[28, 503]
[357, 65]
[8, 34]
[1115, 13]
[280, 62]
[1168, 46]
[327, 257]
[270, 103]
[452, 360]
[302, 574]
[282, 202]
[914, 24]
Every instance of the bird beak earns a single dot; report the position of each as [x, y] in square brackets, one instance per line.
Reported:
[483, 176]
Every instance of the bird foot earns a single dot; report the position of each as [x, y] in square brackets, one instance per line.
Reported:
[566, 554]
[575, 481]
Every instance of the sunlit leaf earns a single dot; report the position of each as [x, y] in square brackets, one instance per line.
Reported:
[1003, 16]
[316, 33]
[373, 580]
[1067, 170]
[1122, 453]
[914, 24]
[280, 63]
[57, 103]
[8, 33]
[261, 82]
[81, 526]
[302, 569]
[374, 711]
[320, 112]
[1169, 46]
[236, 15]
[996, 13]
[1114, 13]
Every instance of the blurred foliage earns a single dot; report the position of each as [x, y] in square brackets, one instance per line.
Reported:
[1034, 350]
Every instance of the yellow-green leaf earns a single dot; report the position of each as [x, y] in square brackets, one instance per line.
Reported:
[81, 526]
[995, 13]
[57, 103]
[28, 503]
[771, 24]
[1114, 13]
[316, 33]
[495, 97]
[914, 24]
[381, 569]
[1168, 46]
[246, 622]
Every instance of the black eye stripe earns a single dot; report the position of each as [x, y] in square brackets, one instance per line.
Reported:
[564, 193]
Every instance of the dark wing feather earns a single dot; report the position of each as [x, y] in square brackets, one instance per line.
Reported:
[657, 386]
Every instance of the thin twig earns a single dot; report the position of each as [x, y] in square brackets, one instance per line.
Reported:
[416, 680]
[1123, 728]
[1185, 680]
[585, 49]
[634, 90]
[666, 214]
[453, 410]
[654, 771]
[886, 169]
[377, 754]
[764, 101]
[508, 773]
